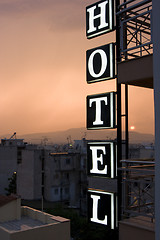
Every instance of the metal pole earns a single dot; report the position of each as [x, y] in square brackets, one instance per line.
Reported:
[126, 87]
[126, 120]
[119, 128]
[42, 203]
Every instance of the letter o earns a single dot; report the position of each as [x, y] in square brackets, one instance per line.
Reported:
[103, 65]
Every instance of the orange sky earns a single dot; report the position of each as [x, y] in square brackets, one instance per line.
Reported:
[42, 68]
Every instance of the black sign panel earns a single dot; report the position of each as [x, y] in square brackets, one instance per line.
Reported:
[100, 18]
[102, 208]
[100, 63]
[101, 159]
[101, 111]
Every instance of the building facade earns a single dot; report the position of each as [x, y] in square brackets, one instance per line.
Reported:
[43, 172]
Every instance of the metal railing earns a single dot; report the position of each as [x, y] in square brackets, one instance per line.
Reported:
[138, 188]
[135, 28]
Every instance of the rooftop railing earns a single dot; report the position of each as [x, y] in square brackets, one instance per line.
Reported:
[135, 28]
[138, 177]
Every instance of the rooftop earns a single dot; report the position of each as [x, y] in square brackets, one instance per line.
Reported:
[34, 224]
[23, 224]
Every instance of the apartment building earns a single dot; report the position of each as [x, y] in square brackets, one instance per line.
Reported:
[42, 172]
[10, 154]
[58, 177]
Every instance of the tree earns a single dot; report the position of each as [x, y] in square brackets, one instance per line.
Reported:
[12, 187]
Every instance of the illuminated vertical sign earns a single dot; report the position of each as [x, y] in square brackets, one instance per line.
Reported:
[99, 18]
[102, 208]
[100, 63]
[101, 159]
[101, 111]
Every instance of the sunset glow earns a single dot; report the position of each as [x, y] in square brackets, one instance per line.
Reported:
[43, 71]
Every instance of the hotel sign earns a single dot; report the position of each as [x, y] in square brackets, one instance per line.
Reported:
[101, 157]
[100, 63]
[100, 18]
[101, 111]
[102, 208]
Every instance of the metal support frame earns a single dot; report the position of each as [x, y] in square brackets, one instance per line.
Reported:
[135, 18]
[119, 117]
[133, 39]
[138, 188]
[119, 123]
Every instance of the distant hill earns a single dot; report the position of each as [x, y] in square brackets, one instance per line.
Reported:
[60, 137]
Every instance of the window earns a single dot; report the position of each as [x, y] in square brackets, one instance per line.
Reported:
[56, 176]
[67, 160]
[56, 191]
[67, 191]
[67, 176]
[19, 156]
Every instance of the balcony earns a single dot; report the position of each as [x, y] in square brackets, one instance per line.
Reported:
[138, 186]
[136, 47]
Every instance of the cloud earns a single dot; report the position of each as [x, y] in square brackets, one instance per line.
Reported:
[60, 14]
[21, 6]
[43, 64]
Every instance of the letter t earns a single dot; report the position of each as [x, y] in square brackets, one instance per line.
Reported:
[98, 101]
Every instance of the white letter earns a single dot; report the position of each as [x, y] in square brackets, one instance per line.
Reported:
[98, 101]
[102, 16]
[103, 65]
[95, 160]
[95, 211]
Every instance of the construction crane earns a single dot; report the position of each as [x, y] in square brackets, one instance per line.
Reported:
[14, 135]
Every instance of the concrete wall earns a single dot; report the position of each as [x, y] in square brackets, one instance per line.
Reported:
[29, 175]
[138, 71]
[25, 176]
[4, 235]
[156, 74]
[37, 174]
[37, 215]
[10, 211]
[53, 231]
[62, 182]
[130, 231]
[56, 228]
